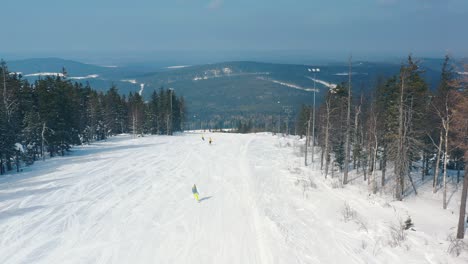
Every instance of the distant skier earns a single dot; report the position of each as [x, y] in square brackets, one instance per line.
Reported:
[195, 192]
[203, 138]
[210, 141]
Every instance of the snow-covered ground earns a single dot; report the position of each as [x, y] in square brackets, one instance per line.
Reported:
[128, 200]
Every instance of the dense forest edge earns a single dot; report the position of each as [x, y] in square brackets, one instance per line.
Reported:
[45, 118]
[402, 129]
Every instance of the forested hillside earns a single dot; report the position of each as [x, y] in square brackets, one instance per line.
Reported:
[400, 135]
[225, 93]
[48, 116]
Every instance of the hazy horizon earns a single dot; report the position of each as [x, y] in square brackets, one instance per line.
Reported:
[199, 57]
[204, 31]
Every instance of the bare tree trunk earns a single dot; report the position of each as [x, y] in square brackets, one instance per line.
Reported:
[167, 124]
[412, 183]
[364, 168]
[348, 117]
[461, 218]
[307, 139]
[399, 164]
[374, 183]
[356, 125]
[134, 125]
[321, 159]
[446, 126]
[369, 160]
[384, 166]
[436, 169]
[43, 140]
[423, 165]
[373, 135]
[327, 137]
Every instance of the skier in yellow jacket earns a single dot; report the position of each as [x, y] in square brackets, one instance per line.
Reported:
[195, 192]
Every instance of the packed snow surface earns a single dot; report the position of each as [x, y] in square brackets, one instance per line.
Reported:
[129, 200]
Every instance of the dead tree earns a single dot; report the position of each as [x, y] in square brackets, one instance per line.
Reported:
[327, 134]
[460, 129]
[307, 138]
[348, 119]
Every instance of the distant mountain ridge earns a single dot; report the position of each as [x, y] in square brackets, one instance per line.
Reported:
[99, 77]
[237, 88]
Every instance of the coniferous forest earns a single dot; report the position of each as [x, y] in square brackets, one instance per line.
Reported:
[47, 117]
[401, 131]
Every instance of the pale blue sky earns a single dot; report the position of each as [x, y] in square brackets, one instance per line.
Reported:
[242, 27]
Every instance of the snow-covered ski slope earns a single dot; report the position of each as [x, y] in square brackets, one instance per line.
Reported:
[129, 201]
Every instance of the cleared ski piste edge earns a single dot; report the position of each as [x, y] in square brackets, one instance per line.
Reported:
[128, 200]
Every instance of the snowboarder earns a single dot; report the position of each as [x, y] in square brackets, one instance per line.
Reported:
[195, 192]
[210, 140]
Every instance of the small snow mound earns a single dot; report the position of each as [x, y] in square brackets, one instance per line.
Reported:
[19, 147]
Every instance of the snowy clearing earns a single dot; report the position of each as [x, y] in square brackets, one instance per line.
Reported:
[178, 67]
[327, 84]
[45, 74]
[91, 76]
[291, 85]
[132, 81]
[142, 87]
[129, 201]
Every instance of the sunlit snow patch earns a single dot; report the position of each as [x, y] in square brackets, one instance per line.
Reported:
[177, 67]
[91, 76]
[130, 81]
[45, 74]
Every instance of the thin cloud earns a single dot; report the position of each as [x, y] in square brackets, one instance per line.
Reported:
[215, 4]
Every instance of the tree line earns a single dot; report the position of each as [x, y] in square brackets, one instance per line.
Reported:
[47, 117]
[400, 131]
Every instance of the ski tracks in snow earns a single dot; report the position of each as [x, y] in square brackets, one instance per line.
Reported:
[129, 201]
